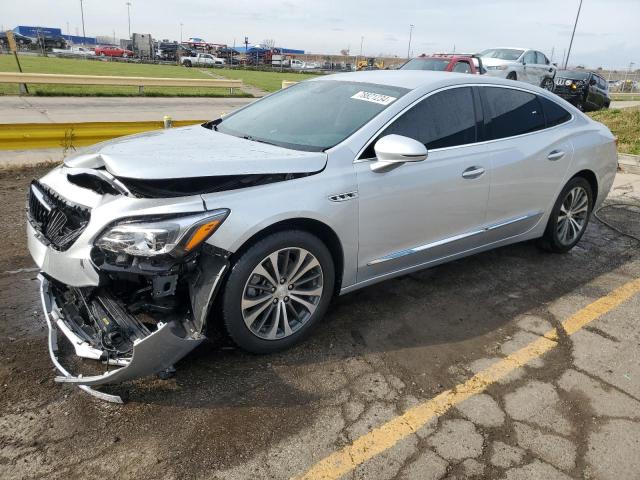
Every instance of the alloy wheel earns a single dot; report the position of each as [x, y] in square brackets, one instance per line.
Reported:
[547, 84]
[573, 214]
[282, 293]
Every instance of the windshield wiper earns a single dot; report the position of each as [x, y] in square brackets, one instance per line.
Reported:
[253, 139]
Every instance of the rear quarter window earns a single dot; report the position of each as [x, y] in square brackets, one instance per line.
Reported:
[554, 114]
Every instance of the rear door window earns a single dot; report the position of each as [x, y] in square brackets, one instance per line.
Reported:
[510, 112]
[542, 59]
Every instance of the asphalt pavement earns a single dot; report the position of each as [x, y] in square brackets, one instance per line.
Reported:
[514, 364]
[26, 109]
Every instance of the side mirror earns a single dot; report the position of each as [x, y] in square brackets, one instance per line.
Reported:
[394, 150]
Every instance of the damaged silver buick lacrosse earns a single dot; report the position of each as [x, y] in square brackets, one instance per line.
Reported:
[255, 221]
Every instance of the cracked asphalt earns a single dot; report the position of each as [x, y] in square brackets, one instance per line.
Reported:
[573, 412]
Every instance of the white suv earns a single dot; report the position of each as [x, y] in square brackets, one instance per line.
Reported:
[522, 64]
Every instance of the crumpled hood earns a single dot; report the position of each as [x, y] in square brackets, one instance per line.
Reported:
[192, 152]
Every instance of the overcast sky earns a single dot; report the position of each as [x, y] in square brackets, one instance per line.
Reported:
[608, 32]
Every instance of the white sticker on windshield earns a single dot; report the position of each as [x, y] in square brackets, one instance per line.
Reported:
[374, 97]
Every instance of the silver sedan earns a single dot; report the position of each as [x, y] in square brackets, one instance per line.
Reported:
[256, 220]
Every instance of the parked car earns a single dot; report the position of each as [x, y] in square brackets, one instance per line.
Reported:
[522, 64]
[112, 51]
[21, 40]
[443, 62]
[256, 220]
[586, 90]
[201, 60]
[49, 42]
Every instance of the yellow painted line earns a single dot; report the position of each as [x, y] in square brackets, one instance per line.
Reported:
[29, 136]
[387, 435]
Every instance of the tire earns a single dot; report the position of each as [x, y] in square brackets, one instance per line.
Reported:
[512, 76]
[255, 312]
[547, 84]
[580, 105]
[560, 237]
[187, 63]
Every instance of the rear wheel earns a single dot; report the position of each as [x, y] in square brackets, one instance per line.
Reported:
[187, 63]
[569, 217]
[547, 84]
[277, 291]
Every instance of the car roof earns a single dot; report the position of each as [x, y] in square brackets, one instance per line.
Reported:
[419, 79]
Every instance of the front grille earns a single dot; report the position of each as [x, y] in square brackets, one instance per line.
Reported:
[58, 222]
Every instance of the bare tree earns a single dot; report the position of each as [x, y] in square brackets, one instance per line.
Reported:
[269, 43]
[345, 52]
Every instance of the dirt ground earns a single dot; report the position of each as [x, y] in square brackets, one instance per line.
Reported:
[574, 413]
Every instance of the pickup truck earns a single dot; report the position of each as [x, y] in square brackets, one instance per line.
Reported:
[445, 62]
[201, 60]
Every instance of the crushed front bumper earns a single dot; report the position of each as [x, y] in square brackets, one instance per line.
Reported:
[153, 354]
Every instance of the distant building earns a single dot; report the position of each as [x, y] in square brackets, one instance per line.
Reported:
[36, 32]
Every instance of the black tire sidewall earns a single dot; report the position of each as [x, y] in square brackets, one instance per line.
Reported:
[236, 280]
[551, 233]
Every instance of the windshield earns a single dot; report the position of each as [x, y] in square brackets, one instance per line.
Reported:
[313, 115]
[573, 75]
[502, 53]
[439, 64]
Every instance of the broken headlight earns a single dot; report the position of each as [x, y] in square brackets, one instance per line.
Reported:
[176, 235]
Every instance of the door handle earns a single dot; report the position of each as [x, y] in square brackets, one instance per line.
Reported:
[473, 172]
[555, 155]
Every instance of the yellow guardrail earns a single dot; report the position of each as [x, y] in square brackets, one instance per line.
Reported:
[287, 83]
[28, 136]
[59, 79]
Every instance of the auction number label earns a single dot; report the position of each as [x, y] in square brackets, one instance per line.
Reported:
[374, 97]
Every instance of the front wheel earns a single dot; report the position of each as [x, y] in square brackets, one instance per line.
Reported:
[569, 217]
[277, 291]
[512, 76]
[187, 63]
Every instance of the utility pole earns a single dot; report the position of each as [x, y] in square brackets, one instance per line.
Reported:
[566, 60]
[181, 32]
[129, 17]
[361, 42]
[409, 47]
[84, 35]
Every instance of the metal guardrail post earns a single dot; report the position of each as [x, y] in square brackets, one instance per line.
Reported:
[166, 120]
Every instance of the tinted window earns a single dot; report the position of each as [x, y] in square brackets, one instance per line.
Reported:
[554, 114]
[438, 64]
[462, 67]
[510, 112]
[442, 120]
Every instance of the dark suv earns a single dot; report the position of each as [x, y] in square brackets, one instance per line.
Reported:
[586, 90]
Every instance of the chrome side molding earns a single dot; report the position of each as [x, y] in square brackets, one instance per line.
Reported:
[444, 241]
